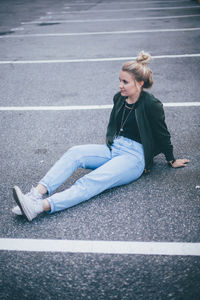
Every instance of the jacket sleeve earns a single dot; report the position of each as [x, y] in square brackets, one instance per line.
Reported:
[160, 130]
[111, 128]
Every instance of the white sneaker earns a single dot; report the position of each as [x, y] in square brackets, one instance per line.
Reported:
[17, 211]
[28, 204]
[34, 194]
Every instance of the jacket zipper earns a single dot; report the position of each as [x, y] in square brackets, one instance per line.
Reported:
[137, 122]
[115, 136]
[145, 170]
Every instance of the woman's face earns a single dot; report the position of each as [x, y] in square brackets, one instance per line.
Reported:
[129, 87]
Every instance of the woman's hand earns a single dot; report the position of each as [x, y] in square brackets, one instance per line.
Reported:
[179, 163]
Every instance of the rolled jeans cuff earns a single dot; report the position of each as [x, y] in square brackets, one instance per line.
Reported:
[46, 186]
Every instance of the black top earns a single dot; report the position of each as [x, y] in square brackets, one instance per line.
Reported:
[127, 120]
[154, 133]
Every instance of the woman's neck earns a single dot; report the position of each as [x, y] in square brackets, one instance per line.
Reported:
[131, 100]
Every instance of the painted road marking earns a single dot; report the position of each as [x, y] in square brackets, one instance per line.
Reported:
[130, 3]
[85, 107]
[100, 32]
[129, 9]
[112, 20]
[105, 247]
[79, 60]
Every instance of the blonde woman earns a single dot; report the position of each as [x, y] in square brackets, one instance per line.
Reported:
[136, 132]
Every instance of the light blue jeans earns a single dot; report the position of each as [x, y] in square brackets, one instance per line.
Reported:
[111, 168]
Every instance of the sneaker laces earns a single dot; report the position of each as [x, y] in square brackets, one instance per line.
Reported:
[34, 195]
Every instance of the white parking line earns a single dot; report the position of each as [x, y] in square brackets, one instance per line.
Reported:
[104, 247]
[99, 32]
[128, 9]
[85, 107]
[83, 60]
[130, 3]
[111, 20]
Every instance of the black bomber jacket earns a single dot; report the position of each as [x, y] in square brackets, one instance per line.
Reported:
[150, 118]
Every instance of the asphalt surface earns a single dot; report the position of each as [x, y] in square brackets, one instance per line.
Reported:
[162, 206]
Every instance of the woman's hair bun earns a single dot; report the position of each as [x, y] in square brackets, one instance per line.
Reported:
[143, 58]
[140, 69]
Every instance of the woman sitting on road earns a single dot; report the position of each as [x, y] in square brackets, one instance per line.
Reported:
[136, 132]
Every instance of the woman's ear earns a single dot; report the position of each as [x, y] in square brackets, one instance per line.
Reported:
[141, 83]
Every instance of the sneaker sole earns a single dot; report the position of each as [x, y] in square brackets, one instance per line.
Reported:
[17, 195]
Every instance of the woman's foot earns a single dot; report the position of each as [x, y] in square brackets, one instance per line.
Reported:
[30, 204]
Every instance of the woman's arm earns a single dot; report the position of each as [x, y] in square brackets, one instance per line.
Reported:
[110, 127]
[162, 134]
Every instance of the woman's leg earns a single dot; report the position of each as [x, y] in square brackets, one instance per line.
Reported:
[83, 156]
[121, 169]
[86, 156]
[122, 165]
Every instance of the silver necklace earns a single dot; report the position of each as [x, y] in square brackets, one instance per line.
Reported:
[123, 114]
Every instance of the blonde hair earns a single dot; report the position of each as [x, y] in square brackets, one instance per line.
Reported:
[139, 69]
